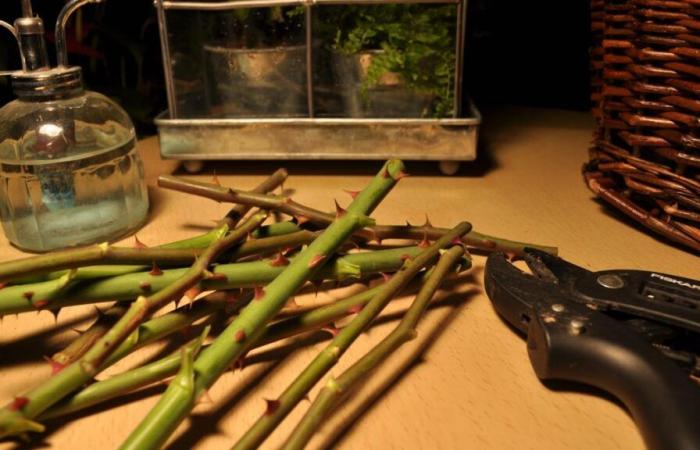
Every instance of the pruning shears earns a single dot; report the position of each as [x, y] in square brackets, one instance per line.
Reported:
[635, 334]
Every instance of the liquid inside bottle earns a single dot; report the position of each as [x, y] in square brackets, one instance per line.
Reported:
[69, 174]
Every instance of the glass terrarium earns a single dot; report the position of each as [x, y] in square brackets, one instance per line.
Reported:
[333, 79]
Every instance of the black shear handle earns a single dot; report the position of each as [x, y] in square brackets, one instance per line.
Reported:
[575, 343]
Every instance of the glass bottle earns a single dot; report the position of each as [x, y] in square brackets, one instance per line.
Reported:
[69, 171]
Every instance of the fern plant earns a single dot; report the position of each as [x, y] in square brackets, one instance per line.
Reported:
[416, 41]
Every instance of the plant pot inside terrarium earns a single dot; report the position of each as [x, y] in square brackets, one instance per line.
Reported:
[267, 82]
[384, 94]
[256, 64]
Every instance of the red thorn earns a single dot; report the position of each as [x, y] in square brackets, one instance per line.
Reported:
[55, 313]
[406, 257]
[279, 260]
[425, 243]
[215, 180]
[18, 403]
[339, 210]
[240, 336]
[427, 223]
[316, 261]
[400, 174]
[408, 224]
[239, 364]
[138, 243]
[55, 365]
[386, 276]
[28, 295]
[354, 309]
[40, 304]
[145, 286]
[385, 172]
[155, 270]
[301, 220]
[259, 292]
[271, 406]
[332, 329]
[352, 194]
[317, 285]
[2, 285]
[192, 293]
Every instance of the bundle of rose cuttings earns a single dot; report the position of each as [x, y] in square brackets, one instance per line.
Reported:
[233, 286]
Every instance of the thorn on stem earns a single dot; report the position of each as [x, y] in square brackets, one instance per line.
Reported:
[386, 276]
[155, 270]
[28, 295]
[316, 261]
[215, 180]
[271, 406]
[40, 304]
[192, 293]
[406, 257]
[55, 313]
[339, 210]
[18, 403]
[258, 292]
[424, 243]
[138, 244]
[145, 286]
[301, 220]
[3, 284]
[240, 336]
[427, 223]
[354, 309]
[55, 365]
[279, 260]
[400, 174]
[352, 194]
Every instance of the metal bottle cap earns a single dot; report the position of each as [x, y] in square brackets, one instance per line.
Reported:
[37, 80]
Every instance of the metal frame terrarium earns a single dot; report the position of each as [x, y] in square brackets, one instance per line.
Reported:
[321, 79]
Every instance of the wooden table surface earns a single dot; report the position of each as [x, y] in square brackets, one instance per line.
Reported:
[473, 386]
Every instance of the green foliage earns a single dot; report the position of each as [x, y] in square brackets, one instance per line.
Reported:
[417, 42]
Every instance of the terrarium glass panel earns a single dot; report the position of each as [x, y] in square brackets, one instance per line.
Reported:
[238, 63]
[384, 61]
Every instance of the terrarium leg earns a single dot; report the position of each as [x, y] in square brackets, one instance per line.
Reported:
[449, 167]
[193, 166]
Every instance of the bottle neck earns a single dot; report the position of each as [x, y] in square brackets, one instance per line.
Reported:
[45, 85]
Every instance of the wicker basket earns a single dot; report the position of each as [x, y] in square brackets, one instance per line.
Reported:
[645, 158]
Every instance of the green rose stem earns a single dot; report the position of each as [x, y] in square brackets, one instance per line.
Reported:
[256, 246]
[98, 253]
[14, 299]
[16, 417]
[159, 370]
[278, 409]
[305, 213]
[331, 393]
[250, 324]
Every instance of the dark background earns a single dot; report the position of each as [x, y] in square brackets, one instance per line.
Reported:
[526, 53]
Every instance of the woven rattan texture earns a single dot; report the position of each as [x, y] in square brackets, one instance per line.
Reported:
[645, 71]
